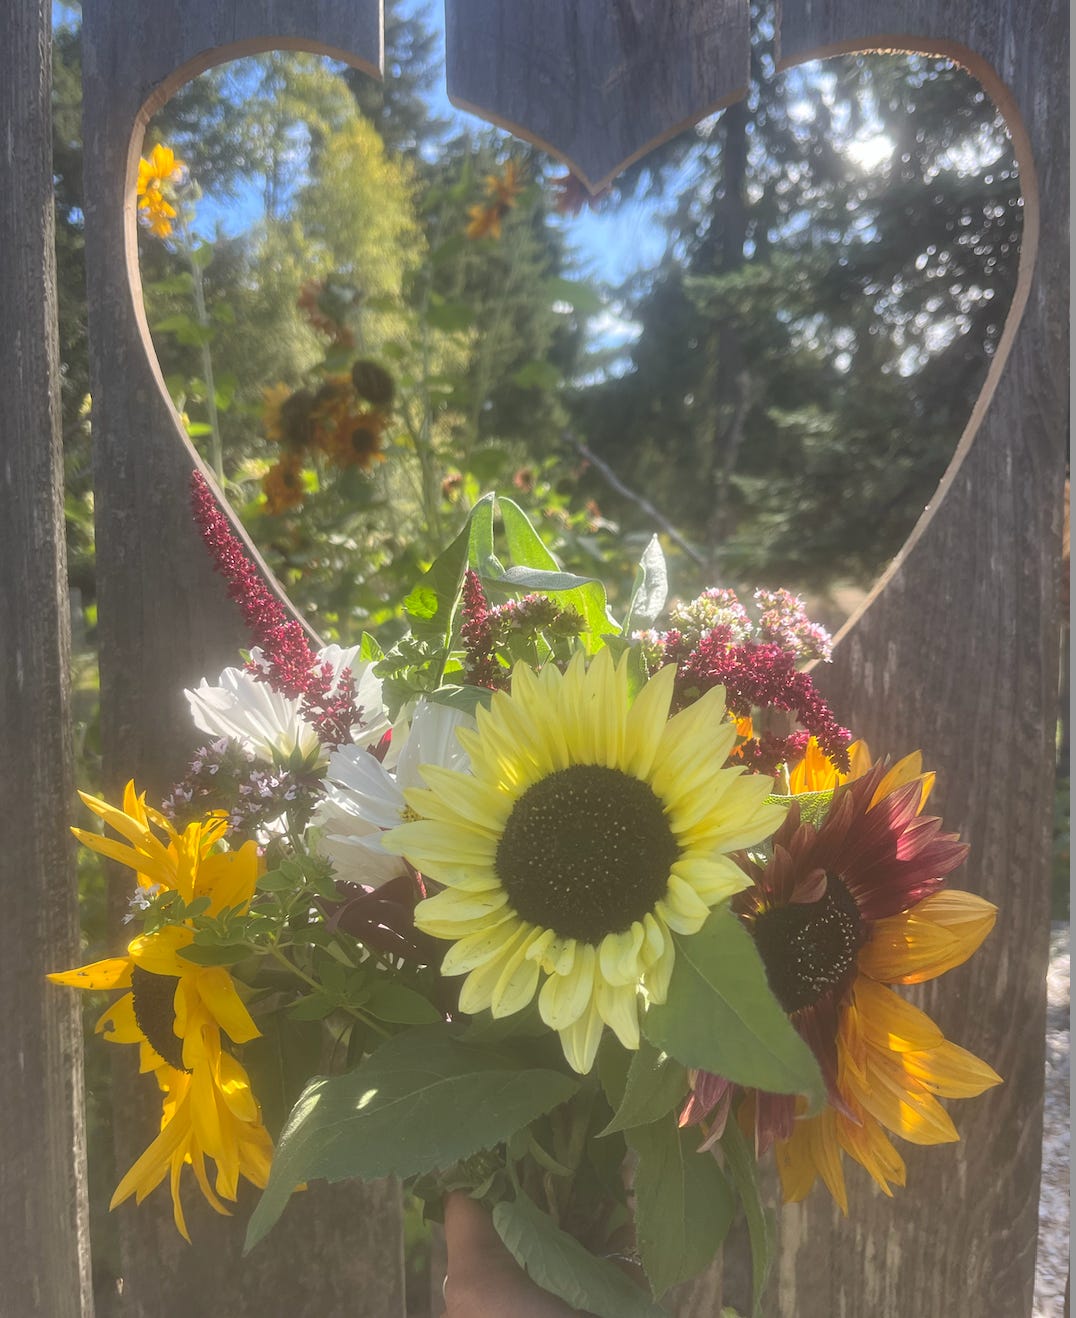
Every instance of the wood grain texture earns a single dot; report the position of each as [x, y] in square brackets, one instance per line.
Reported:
[596, 84]
[165, 622]
[956, 651]
[44, 1229]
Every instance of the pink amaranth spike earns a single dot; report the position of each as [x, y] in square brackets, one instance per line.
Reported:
[290, 666]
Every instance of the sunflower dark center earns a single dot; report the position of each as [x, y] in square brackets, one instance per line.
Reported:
[586, 851]
[810, 949]
[155, 1013]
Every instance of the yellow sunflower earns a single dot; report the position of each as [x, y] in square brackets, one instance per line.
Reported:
[175, 1010]
[155, 178]
[590, 829]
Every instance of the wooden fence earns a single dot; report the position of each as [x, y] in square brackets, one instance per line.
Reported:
[955, 650]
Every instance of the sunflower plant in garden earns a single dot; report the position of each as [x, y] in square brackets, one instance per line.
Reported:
[582, 916]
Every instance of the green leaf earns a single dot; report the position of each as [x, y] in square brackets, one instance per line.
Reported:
[655, 1085]
[465, 698]
[424, 1100]
[585, 299]
[421, 604]
[313, 1008]
[198, 428]
[535, 569]
[449, 316]
[538, 375]
[369, 649]
[743, 1168]
[480, 546]
[400, 1005]
[651, 588]
[560, 1265]
[202, 255]
[432, 604]
[720, 1015]
[814, 806]
[215, 954]
[277, 881]
[683, 1204]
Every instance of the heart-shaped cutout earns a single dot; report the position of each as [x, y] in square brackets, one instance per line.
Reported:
[789, 385]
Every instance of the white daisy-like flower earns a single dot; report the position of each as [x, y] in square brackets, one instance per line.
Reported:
[363, 798]
[271, 725]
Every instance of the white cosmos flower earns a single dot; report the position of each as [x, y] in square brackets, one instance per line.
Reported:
[271, 725]
[363, 798]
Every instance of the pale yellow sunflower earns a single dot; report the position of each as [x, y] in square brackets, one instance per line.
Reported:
[176, 1010]
[590, 830]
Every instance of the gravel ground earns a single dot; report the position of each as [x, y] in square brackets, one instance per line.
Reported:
[1053, 1260]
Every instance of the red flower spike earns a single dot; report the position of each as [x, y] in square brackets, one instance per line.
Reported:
[288, 664]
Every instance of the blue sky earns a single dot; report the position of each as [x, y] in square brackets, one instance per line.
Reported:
[609, 245]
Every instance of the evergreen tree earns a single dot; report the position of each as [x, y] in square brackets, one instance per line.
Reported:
[818, 331]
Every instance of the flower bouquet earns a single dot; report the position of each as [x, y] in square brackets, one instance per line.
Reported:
[578, 916]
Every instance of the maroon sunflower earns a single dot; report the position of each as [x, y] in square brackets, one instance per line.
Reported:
[840, 911]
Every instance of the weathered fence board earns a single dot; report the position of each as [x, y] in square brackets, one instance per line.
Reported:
[165, 622]
[957, 651]
[44, 1245]
[596, 84]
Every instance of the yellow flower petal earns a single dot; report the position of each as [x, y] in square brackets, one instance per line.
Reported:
[936, 935]
[113, 972]
[564, 998]
[889, 1022]
[950, 1071]
[580, 1040]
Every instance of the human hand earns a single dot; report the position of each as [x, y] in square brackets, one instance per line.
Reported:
[484, 1280]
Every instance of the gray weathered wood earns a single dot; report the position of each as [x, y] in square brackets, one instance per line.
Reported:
[165, 622]
[44, 1228]
[956, 651]
[596, 84]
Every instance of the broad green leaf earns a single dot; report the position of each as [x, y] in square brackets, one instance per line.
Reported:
[314, 1007]
[743, 1169]
[655, 1085]
[465, 698]
[400, 1005]
[720, 1015]
[432, 604]
[421, 604]
[535, 569]
[215, 954]
[480, 546]
[423, 1100]
[814, 806]
[280, 1062]
[651, 588]
[683, 1204]
[614, 1063]
[560, 1265]
[369, 649]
